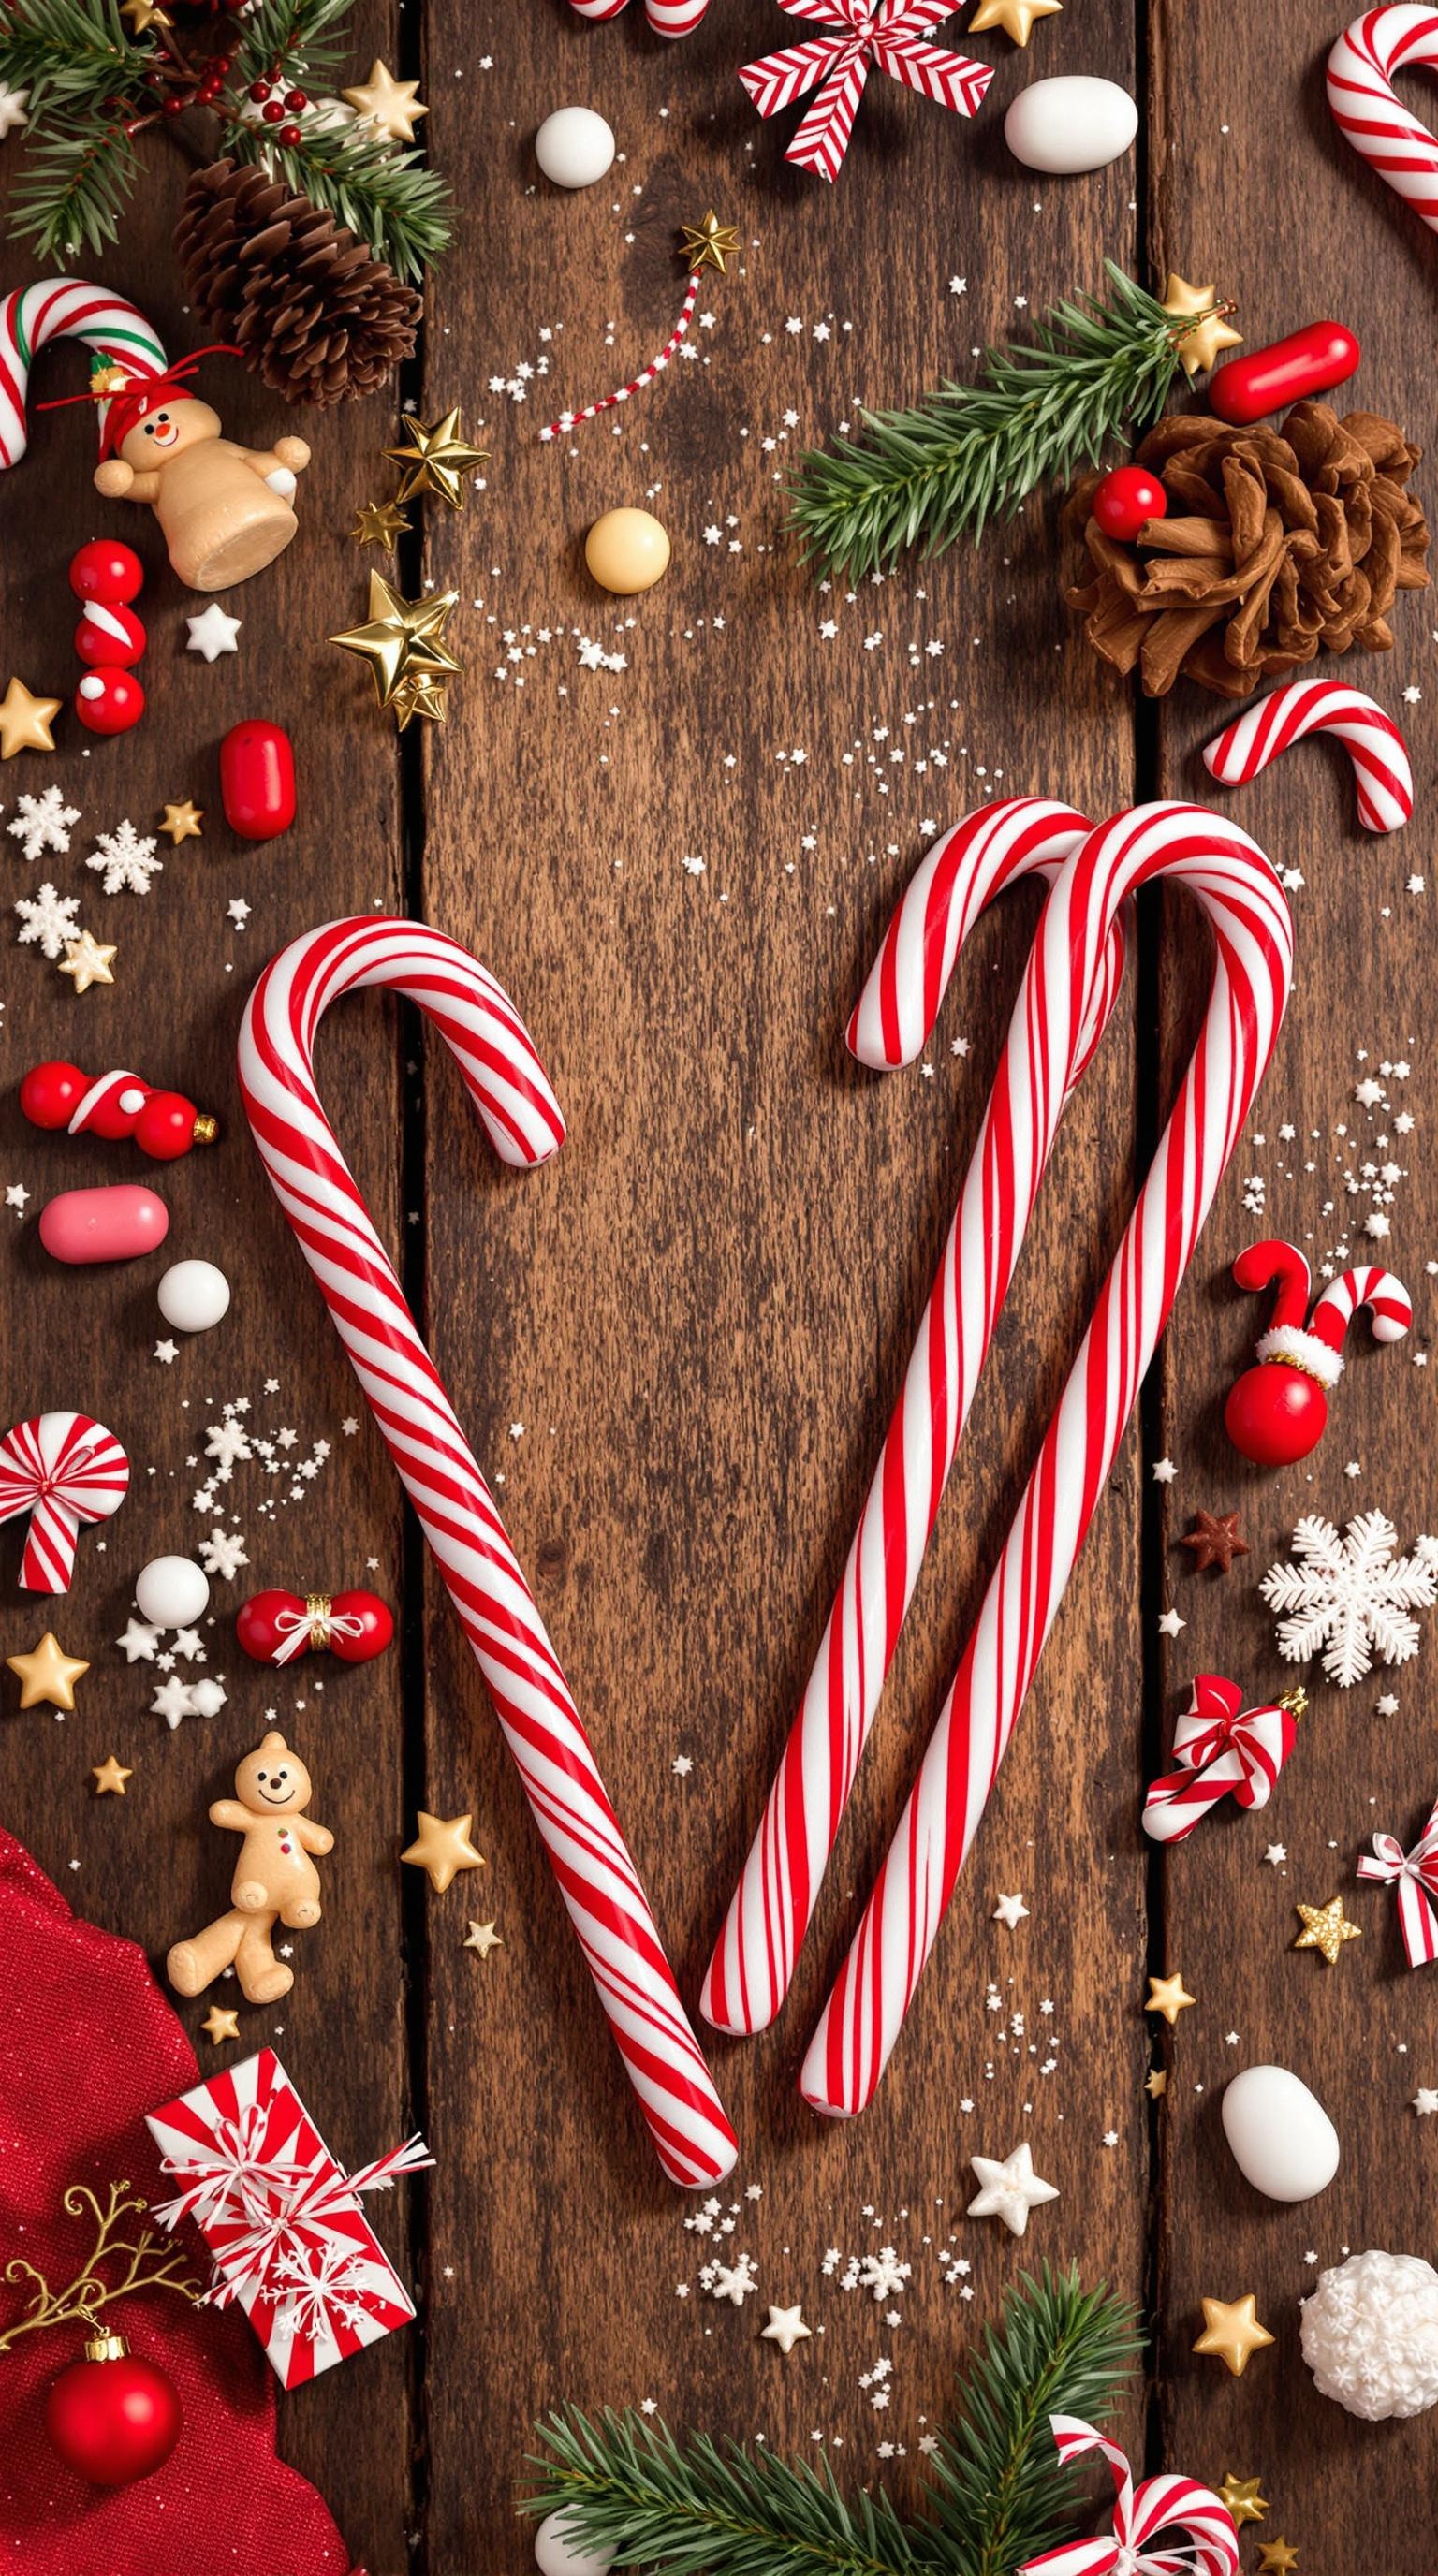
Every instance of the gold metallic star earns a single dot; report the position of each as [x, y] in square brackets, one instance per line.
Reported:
[47, 1674]
[710, 244]
[1199, 346]
[1169, 1996]
[182, 822]
[1277, 2558]
[379, 523]
[110, 1777]
[143, 14]
[442, 1848]
[25, 721]
[390, 106]
[219, 2024]
[438, 459]
[1232, 2331]
[423, 696]
[1243, 2499]
[483, 1938]
[402, 638]
[1015, 17]
[87, 962]
[1326, 1928]
[1156, 2083]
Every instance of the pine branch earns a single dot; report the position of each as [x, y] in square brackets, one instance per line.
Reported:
[69, 53]
[390, 200]
[969, 453]
[74, 186]
[297, 34]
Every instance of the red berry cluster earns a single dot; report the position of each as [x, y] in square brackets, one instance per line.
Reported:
[279, 108]
[106, 576]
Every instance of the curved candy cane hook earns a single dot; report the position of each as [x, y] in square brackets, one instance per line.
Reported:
[64, 308]
[315, 1187]
[1240, 893]
[1366, 107]
[66, 1471]
[1141, 2515]
[1375, 746]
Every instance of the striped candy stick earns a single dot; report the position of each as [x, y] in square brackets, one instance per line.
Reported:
[1167, 2503]
[66, 1471]
[64, 308]
[1240, 894]
[1375, 745]
[508, 1086]
[568, 420]
[1367, 109]
[1390, 1308]
[755, 1955]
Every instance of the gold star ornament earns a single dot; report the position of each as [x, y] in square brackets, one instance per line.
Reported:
[709, 245]
[1155, 2083]
[219, 2024]
[390, 106]
[1326, 1928]
[1276, 2558]
[402, 639]
[1169, 1996]
[182, 822]
[47, 1674]
[1205, 313]
[436, 460]
[110, 1777]
[1232, 2332]
[143, 14]
[1243, 2499]
[379, 523]
[86, 962]
[1014, 17]
[442, 1848]
[420, 696]
[483, 1938]
[25, 721]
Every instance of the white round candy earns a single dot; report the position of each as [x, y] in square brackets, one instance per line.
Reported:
[193, 1296]
[557, 2555]
[1074, 123]
[1282, 2139]
[172, 1592]
[1370, 2335]
[574, 147]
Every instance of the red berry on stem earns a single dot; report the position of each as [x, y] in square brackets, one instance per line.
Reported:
[272, 111]
[106, 570]
[109, 701]
[1126, 499]
[289, 135]
[295, 99]
[112, 2417]
[51, 1093]
[259, 92]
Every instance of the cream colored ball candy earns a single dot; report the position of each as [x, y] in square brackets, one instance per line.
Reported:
[627, 551]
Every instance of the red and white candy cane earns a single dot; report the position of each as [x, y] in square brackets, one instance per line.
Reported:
[1240, 894]
[1168, 2503]
[1223, 1750]
[510, 1090]
[1415, 1875]
[1376, 748]
[755, 1955]
[571, 419]
[666, 17]
[64, 308]
[1367, 109]
[66, 1472]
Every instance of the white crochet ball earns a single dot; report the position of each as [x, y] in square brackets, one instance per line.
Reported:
[557, 2555]
[1370, 2335]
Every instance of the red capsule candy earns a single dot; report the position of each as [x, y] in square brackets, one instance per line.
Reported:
[1311, 361]
[110, 636]
[1127, 499]
[107, 570]
[109, 701]
[257, 780]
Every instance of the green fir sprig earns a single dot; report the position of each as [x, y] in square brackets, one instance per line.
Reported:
[689, 2506]
[390, 199]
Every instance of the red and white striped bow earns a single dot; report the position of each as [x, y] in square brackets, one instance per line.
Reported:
[65, 1471]
[886, 32]
[1415, 1875]
[1161, 2504]
[1226, 1750]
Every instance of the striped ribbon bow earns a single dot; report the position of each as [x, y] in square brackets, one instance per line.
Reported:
[65, 1471]
[1415, 1874]
[1140, 2515]
[1225, 1750]
[886, 32]
[261, 2215]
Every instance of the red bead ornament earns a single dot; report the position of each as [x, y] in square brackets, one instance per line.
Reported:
[106, 570]
[1278, 1412]
[1126, 500]
[109, 701]
[276, 1627]
[1311, 361]
[164, 1124]
[257, 779]
[112, 2417]
[110, 637]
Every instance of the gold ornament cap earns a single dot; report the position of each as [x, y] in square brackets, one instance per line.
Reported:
[103, 2346]
[205, 1129]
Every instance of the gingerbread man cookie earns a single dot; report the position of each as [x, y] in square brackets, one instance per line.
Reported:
[275, 1879]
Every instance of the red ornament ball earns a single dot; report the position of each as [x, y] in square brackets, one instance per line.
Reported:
[110, 636]
[165, 1127]
[109, 701]
[107, 570]
[1126, 499]
[1275, 1414]
[112, 2418]
[51, 1093]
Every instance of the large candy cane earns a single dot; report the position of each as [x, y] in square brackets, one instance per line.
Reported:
[1239, 892]
[64, 308]
[755, 1955]
[1375, 746]
[315, 1187]
[1367, 109]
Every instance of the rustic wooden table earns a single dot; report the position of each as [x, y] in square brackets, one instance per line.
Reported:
[699, 1315]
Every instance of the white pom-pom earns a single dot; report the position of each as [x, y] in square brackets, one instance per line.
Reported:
[557, 2555]
[1370, 2335]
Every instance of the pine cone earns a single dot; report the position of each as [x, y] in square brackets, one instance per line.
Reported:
[1278, 546]
[313, 314]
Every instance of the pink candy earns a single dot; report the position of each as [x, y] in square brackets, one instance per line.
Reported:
[114, 1224]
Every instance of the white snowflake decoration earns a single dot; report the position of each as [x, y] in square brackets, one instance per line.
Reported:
[124, 862]
[883, 2273]
[49, 917]
[735, 2282]
[1351, 1597]
[43, 823]
[223, 1552]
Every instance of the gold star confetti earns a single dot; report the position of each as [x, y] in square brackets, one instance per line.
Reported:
[379, 523]
[1277, 2558]
[1156, 2083]
[1232, 2331]
[1326, 1928]
[390, 106]
[710, 244]
[1243, 2499]
[182, 821]
[403, 638]
[110, 1776]
[1169, 1996]
[1014, 17]
[1199, 346]
[25, 721]
[87, 961]
[483, 1938]
[421, 695]
[442, 1848]
[143, 14]
[47, 1674]
[438, 459]
[219, 2024]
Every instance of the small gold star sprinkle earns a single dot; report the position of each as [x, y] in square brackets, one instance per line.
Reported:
[1169, 1996]
[47, 1674]
[1243, 2499]
[1231, 2330]
[110, 1777]
[442, 1848]
[402, 638]
[379, 523]
[438, 459]
[710, 244]
[1326, 1928]
[423, 696]
[143, 14]
[1014, 17]
[182, 822]
[388, 105]
[1199, 346]
[219, 2024]
[1156, 2083]
[483, 1938]
[87, 961]
[1277, 2559]
[25, 721]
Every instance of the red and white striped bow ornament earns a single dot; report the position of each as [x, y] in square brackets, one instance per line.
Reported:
[1224, 1750]
[886, 32]
[1141, 2514]
[65, 1471]
[1415, 1875]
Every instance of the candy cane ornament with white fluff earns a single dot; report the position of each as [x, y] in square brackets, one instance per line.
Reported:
[967, 867]
[1277, 1412]
[1240, 894]
[1367, 109]
[510, 1090]
[65, 308]
[1379, 754]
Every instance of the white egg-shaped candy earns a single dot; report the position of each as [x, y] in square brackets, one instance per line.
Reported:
[1282, 2139]
[194, 1296]
[172, 1592]
[574, 147]
[557, 2555]
[1074, 123]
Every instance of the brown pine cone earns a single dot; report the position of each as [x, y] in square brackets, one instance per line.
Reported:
[314, 315]
[1277, 546]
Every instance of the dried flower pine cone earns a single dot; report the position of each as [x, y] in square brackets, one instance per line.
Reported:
[1277, 546]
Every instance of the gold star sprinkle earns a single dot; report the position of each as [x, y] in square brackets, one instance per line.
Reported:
[143, 14]
[1243, 2499]
[47, 1674]
[483, 1938]
[379, 523]
[402, 637]
[1200, 345]
[710, 244]
[1326, 1928]
[1156, 2083]
[25, 721]
[442, 1848]
[219, 2024]
[1014, 17]
[438, 459]
[422, 696]
[1277, 2558]
[87, 961]
[182, 822]
[391, 107]
[1169, 1996]
[110, 1777]
[1232, 2331]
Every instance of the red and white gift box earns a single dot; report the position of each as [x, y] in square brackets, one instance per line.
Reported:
[290, 2240]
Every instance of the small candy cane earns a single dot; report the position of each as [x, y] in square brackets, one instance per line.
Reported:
[64, 308]
[1375, 746]
[1141, 2514]
[1368, 110]
[66, 1471]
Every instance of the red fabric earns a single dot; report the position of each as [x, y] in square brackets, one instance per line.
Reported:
[87, 2045]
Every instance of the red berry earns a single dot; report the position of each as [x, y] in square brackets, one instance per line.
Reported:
[51, 1093]
[173, 106]
[289, 135]
[259, 92]
[106, 570]
[165, 1127]
[110, 637]
[109, 701]
[1126, 499]
[295, 99]
[272, 111]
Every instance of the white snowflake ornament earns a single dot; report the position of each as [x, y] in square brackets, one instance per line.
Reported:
[124, 861]
[1350, 1597]
[53, 919]
[1370, 2335]
[223, 1553]
[43, 823]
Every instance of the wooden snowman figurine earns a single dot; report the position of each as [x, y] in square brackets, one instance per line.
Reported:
[224, 509]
